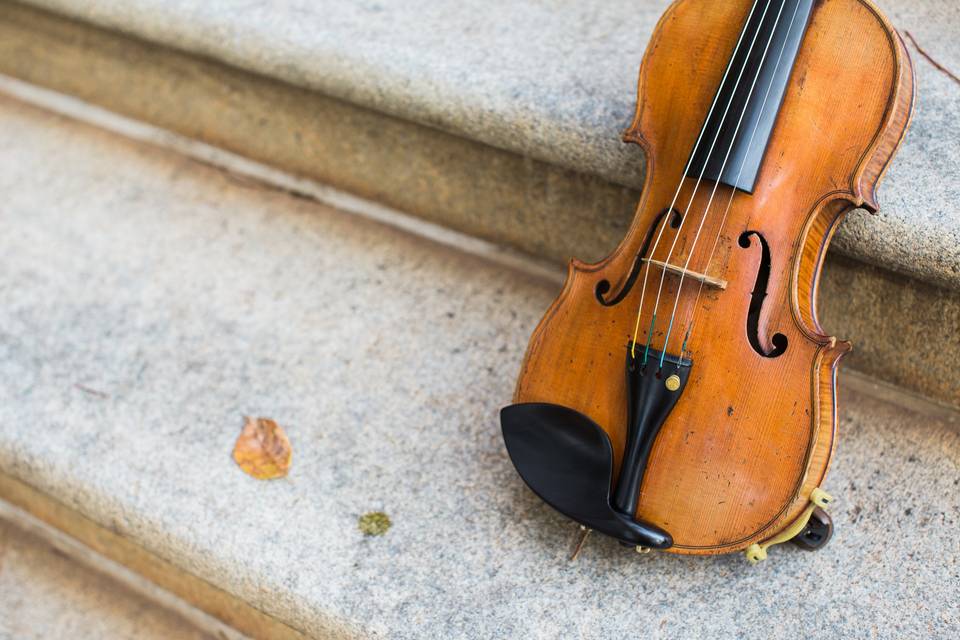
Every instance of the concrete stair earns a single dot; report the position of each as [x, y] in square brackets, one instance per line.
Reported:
[47, 596]
[185, 269]
[463, 114]
[153, 301]
[51, 586]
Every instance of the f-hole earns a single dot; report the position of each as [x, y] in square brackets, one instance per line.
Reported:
[779, 341]
[603, 287]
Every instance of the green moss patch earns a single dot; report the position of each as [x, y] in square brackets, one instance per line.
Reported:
[375, 523]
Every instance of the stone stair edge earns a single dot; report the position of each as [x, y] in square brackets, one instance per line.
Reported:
[75, 538]
[917, 232]
[82, 522]
[851, 289]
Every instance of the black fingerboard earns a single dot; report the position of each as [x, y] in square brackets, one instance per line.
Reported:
[749, 99]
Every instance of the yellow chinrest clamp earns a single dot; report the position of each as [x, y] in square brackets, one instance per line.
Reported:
[757, 552]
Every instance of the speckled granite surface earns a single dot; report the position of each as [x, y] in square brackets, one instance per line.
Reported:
[45, 595]
[150, 303]
[553, 80]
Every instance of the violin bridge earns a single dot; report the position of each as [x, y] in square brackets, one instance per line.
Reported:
[710, 281]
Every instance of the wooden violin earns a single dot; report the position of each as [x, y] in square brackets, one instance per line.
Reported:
[681, 394]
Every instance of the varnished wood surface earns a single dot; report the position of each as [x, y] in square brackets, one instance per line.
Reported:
[751, 436]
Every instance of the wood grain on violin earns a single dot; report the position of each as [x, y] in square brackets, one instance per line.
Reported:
[752, 426]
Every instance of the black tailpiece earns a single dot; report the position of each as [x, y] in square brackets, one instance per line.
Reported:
[567, 459]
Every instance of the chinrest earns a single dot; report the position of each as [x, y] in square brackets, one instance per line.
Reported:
[567, 460]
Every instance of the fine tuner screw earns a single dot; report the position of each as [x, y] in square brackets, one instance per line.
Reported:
[673, 382]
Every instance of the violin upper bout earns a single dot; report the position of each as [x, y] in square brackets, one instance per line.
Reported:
[899, 116]
[665, 133]
[635, 133]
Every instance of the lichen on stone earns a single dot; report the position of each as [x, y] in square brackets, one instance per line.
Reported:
[375, 523]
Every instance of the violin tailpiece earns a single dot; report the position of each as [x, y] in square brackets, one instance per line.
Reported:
[567, 459]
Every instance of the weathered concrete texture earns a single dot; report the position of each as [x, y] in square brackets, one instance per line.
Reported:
[498, 195]
[904, 331]
[529, 204]
[550, 81]
[213, 610]
[183, 301]
[44, 594]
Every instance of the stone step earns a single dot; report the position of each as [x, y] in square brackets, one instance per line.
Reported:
[152, 301]
[501, 120]
[45, 593]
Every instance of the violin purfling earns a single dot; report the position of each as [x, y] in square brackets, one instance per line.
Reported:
[681, 395]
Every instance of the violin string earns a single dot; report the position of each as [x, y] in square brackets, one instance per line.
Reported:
[696, 187]
[676, 195]
[733, 192]
[716, 184]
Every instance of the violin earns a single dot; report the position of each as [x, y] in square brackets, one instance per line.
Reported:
[680, 395]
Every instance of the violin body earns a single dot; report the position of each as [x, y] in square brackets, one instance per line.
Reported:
[734, 458]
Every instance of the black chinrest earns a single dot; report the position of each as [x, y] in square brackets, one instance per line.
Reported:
[567, 460]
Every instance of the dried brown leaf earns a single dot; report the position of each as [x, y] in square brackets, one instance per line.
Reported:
[263, 449]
